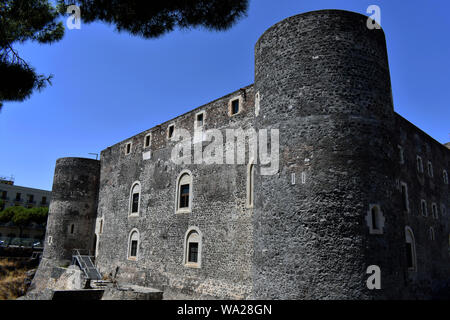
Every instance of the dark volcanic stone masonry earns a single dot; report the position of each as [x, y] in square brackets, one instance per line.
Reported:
[349, 191]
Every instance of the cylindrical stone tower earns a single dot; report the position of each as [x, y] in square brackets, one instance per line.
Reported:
[73, 210]
[323, 80]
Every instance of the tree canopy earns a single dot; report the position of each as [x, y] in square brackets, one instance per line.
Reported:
[21, 21]
[21, 216]
[36, 20]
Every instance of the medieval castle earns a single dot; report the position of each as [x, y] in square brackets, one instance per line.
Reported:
[355, 185]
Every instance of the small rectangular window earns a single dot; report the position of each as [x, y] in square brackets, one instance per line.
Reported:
[435, 211]
[128, 148]
[235, 107]
[184, 196]
[133, 252]
[44, 200]
[18, 196]
[171, 131]
[30, 198]
[200, 120]
[135, 206]
[193, 252]
[4, 194]
[147, 141]
[424, 208]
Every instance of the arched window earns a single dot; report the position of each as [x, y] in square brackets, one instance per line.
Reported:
[193, 248]
[434, 210]
[432, 234]
[135, 195]
[133, 245]
[411, 258]
[184, 192]
[419, 164]
[430, 169]
[250, 184]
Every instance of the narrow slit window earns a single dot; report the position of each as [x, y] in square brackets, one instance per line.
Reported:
[430, 169]
[128, 148]
[171, 131]
[405, 204]
[147, 141]
[409, 257]
[375, 218]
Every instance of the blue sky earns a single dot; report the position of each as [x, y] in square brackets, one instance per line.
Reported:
[110, 86]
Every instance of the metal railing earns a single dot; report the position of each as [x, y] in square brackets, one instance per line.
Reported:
[85, 262]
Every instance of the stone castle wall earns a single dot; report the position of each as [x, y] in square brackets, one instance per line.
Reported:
[219, 212]
[321, 79]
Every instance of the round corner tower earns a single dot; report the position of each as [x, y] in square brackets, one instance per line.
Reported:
[323, 81]
[73, 209]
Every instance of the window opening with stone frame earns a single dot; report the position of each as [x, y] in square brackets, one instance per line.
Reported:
[235, 106]
[147, 140]
[128, 148]
[133, 245]
[434, 210]
[419, 164]
[135, 199]
[423, 208]
[171, 131]
[430, 169]
[199, 119]
[184, 192]
[192, 253]
[445, 176]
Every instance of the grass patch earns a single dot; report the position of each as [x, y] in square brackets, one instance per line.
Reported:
[14, 280]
